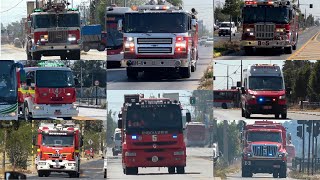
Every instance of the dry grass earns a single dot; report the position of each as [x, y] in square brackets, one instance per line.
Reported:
[221, 171]
[299, 175]
[206, 82]
[226, 47]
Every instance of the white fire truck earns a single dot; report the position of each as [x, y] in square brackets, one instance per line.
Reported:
[269, 24]
[160, 38]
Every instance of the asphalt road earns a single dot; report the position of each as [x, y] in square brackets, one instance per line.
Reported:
[304, 37]
[235, 114]
[117, 78]
[199, 166]
[9, 52]
[255, 176]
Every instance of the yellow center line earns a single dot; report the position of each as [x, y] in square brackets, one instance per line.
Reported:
[295, 55]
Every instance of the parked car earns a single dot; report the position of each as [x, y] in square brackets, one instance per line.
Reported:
[225, 29]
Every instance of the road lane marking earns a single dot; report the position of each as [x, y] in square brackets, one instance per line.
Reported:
[308, 51]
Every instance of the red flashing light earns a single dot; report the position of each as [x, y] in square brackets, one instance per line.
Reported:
[45, 128]
[70, 129]
[179, 38]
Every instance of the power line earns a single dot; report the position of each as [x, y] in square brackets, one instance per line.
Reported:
[12, 7]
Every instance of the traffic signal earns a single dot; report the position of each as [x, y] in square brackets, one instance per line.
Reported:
[299, 131]
[192, 100]
[311, 6]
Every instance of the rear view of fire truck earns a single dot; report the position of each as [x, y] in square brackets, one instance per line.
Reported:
[53, 30]
[152, 134]
[48, 92]
[58, 149]
[269, 24]
[154, 44]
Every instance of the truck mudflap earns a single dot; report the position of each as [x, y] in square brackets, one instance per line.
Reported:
[158, 159]
[147, 63]
[57, 166]
[54, 110]
[265, 43]
[267, 109]
[263, 166]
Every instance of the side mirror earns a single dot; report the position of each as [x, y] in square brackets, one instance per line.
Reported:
[29, 24]
[119, 115]
[238, 84]
[76, 81]
[14, 175]
[120, 123]
[119, 26]
[243, 91]
[193, 24]
[188, 117]
[28, 81]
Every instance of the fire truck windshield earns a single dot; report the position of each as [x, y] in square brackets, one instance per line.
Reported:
[156, 23]
[54, 79]
[154, 117]
[114, 37]
[266, 83]
[57, 140]
[8, 84]
[265, 14]
[255, 136]
[51, 20]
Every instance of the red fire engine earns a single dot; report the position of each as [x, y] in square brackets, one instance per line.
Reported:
[196, 134]
[53, 30]
[152, 134]
[58, 149]
[48, 92]
[154, 44]
[269, 24]
[264, 149]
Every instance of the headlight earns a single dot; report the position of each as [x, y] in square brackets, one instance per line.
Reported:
[36, 107]
[130, 154]
[44, 38]
[249, 154]
[71, 164]
[252, 96]
[129, 39]
[280, 29]
[178, 153]
[42, 163]
[282, 97]
[249, 30]
[13, 114]
[72, 37]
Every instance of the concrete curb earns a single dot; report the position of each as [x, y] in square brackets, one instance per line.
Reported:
[307, 113]
[93, 107]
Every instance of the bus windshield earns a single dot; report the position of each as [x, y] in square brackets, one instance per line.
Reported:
[8, 83]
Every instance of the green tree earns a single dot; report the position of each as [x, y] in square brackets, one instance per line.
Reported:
[301, 80]
[233, 8]
[219, 15]
[95, 137]
[111, 126]
[204, 102]
[314, 83]
[176, 2]
[91, 71]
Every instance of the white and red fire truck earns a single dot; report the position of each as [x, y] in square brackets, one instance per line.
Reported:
[269, 24]
[53, 30]
[263, 91]
[153, 43]
[48, 92]
[58, 147]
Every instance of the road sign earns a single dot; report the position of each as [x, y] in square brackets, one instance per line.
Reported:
[90, 141]
[96, 83]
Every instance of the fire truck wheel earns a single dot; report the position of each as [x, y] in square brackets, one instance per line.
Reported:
[171, 170]
[277, 116]
[40, 174]
[67, 118]
[284, 116]
[105, 174]
[242, 112]
[246, 172]
[29, 57]
[283, 172]
[246, 114]
[26, 113]
[101, 47]
[86, 48]
[63, 57]
[224, 106]
[131, 170]
[185, 72]
[288, 50]
[36, 56]
[47, 174]
[275, 174]
[180, 170]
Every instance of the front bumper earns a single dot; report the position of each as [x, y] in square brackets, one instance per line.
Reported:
[56, 166]
[267, 109]
[55, 47]
[115, 57]
[265, 43]
[54, 110]
[164, 158]
[263, 165]
[148, 63]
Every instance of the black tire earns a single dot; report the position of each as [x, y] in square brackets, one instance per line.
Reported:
[105, 174]
[246, 114]
[294, 47]
[171, 170]
[180, 170]
[29, 57]
[277, 116]
[283, 172]
[132, 74]
[288, 50]
[47, 174]
[40, 174]
[36, 56]
[275, 174]
[131, 171]
[248, 50]
[101, 47]
[242, 112]
[194, 68]
[63, 57]
[224, 106]
[284, 115]
[67, 118]
[26, 114]
[185, 72]
[86, 48]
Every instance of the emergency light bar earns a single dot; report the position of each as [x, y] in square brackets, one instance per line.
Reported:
[267, 2]
[157, 8]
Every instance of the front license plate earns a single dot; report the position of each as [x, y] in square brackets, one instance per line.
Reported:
[247, 163]
[263, 43]
[267, 107]
[137, 63]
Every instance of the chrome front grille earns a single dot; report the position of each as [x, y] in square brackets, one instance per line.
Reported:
[154, 50]
[265, 150]
[58, 36]
[264, 31]
[154, 40]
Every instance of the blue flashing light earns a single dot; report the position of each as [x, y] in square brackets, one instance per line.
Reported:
[134, 137]
[174, 136]
[260, 99]
[270, 154]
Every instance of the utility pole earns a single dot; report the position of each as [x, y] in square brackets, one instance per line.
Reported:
[227, 77]
[4, 150]
[241, 73]
[310, 130]
[312, 147]
[225, 141]
[303, 143]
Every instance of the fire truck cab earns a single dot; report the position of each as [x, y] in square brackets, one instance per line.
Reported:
[48, 92]
[154, 44]
[269, 24]
[263, 91]
[58, 149]
[53, 30]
